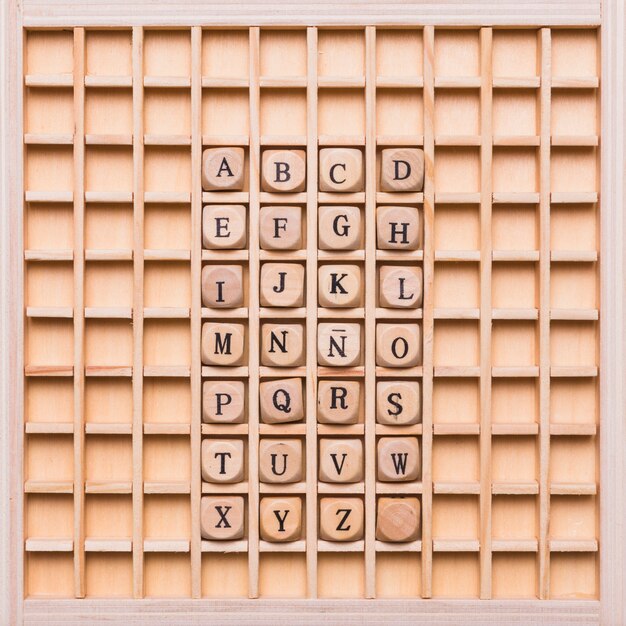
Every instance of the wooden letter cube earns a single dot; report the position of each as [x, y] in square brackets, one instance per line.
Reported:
[282, 284]
[281, 401]
[338, 344]
[338, 401]
[224, 227]
[341, 519]
[283, 170]
[222, 517]
[282, 345]
[339, 228]
[398, 228]
[402, 169]
[341, 460]
[398, 345]
[223, 401]
[341, 169]
[223, 343]
[398, 459]
[398, 402]
[280, 460]
[400, 287]
[223, 169]
[222, 286]
[280, 227]
[339, 285]
[398, 519]
[280, 518]
[222, 460]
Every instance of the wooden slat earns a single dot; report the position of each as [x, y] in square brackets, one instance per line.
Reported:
[196, 307]
[544, 313]
[138, 289]
[428, 322]
[79, 319]
[486, 154]
[311, 317]
[370, 312]
[253, 323]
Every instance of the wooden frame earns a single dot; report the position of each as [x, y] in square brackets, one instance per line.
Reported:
[610, 608]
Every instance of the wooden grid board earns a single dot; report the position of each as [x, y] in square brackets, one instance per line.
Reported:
[115, 122]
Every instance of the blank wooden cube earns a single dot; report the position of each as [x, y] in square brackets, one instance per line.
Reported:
[282, 284]
[222, 517]
[282, 345]
[341, 519]
[398, 459]
[283, 170]
[280, 461]
[222, 460]
[402, 169]
[280, 227]
[339, 285]
[280, 519]
[223, 401]
[223, 343]
[398, 345]
[398, 402]
[341, 169]
[341, 460]
[398, 228]
[398, 519]
[338, 401]
[281, 401]
[339, 228]
[338, 344]
[224, 227]
[223, 169]
[400, 287]
[222, 286]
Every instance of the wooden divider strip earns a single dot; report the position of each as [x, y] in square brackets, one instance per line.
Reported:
[486, 155]
[370, 312]
[79, 311]
[311, 316]
[196, 307]
[253, 319]
[138, 279]
[544, 313]
[428, 321]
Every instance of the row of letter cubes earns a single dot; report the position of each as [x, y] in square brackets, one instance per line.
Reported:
[340, 518]
[340, 460]
[283, 285]
[339, 227]
[338, 344]
[340, 170]
[338, 402]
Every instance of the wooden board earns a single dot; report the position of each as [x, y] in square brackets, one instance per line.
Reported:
[115, 123]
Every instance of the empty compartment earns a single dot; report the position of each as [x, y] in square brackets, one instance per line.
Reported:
[282, 575]
[574, 286]
[167, 575]
[340, 575]
[574, 227]
[109, 226]
[49, 342]
[108, 52]
[108, 516]
[457, 53]
[108, 458]
[49, 52]
[167, 284]
[225, 575]
[49, 111]
[283, 53]
[166, 459]
[49, 284]
[341, 52]
[398, 575]
[456, 575]
[514, 285]
[514, 400]
[108, 575]
[49, 458]
[341, 112]
[109, 168]
[283, 112]
[399, 112]
[515, 53]
[49, 399]
[514, 112]
[456, 401]
[457, 227]
[108, 400]
[167, 52]
[49, 226]
[108, 111]
[515, 169]
[573, 576]
[574, 169]
[573, 460]
[49, 516]
[399, 52]
[574, 112]
[225, 112]
[515, 227]
[167, 226]
[167, 168]
[166, 342]
[514, 575]
[166, 401]
[166, 517]
[574, 401]
[514, 459]
[514, 343]
[456, 342]
[457, 285]
[573, 343]
[514, 518]
[49, 575]
[456, 459]
[574, 52]
[109, 284]
[457, 112]
[573, 518]
[457, 170]
[108, 343]
[167, 112]
[455, 518]
[48, 168]
[225, 53]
